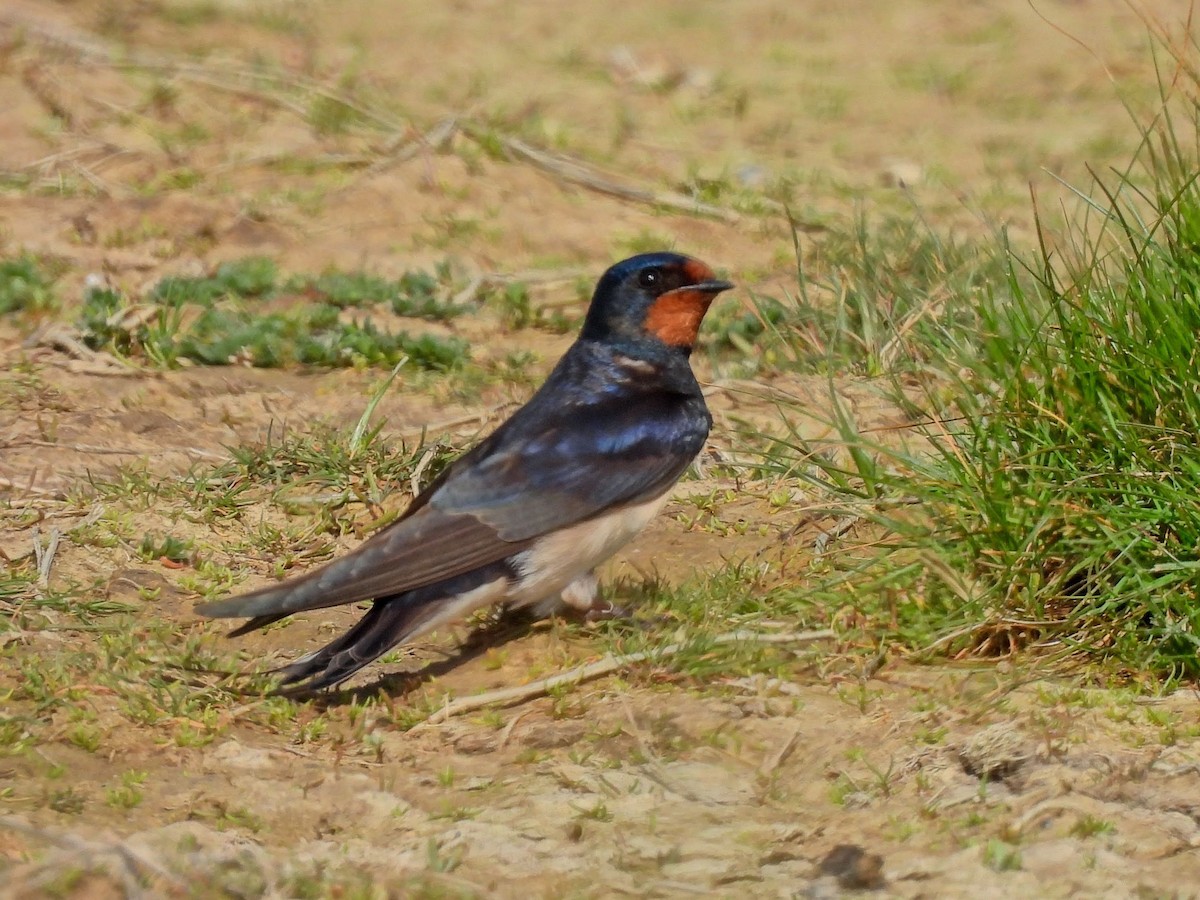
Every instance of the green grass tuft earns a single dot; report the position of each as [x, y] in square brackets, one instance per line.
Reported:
[420, 294]
[872, 298]
[1049, 497]
[219, 320]
[25, 285]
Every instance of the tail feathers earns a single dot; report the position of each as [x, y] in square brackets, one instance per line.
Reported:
[373, 635]
[426, 548]
[390, 621]
[271, 603]
[256, 623]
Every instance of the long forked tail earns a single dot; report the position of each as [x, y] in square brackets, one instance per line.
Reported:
[391, 621]
[386, 624]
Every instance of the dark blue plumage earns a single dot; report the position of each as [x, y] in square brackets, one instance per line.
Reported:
[525, 516]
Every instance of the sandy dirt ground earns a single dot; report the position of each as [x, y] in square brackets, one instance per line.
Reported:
[145, 139]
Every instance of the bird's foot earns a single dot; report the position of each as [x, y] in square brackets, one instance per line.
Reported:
[606, 611]
[582, 596]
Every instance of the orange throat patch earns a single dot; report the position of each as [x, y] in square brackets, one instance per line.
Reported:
[675, 318]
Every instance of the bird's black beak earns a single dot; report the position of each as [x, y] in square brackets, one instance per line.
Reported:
[714, 286]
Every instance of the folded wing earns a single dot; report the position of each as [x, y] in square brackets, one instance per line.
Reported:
[548, 467]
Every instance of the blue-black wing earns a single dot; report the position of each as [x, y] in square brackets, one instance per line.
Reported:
[572, 453]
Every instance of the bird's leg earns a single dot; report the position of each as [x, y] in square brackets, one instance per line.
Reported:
[580, 598]
[583, 594]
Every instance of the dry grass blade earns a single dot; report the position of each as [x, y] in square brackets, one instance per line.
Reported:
[405, 147]
[222, 75]
[45, 555]
[63, 339]
[828, 535]
[8, 485]
[592, 671]
[444, 425]
[771, 763]
[279, 88]
[575, 172]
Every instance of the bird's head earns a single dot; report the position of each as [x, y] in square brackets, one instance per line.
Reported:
[655, 296]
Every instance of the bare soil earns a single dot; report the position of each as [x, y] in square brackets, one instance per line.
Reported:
[135, 145]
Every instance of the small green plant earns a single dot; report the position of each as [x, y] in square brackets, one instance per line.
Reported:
[168, 547]
[220, 319]
[454, 812]
[331, 115]
[25, 285]
[597, 812]
[128, 794]
[439, 860]
[253, 276]
[519, 311]
[843, 789]
[1091, 826]
[85, 737]
[240, 817]
[313, 730]
[188, 735]
[67, 801]
[420, 294]
[729, 329]
[1001, 857]
[13, 735]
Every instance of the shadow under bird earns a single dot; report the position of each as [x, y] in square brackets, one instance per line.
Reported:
[524, 517]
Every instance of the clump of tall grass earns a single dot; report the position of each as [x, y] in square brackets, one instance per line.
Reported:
[1054, 499]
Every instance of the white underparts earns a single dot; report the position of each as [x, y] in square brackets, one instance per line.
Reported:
[560, 564]
[555, 572]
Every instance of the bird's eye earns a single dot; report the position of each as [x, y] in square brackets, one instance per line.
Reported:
[650, 278]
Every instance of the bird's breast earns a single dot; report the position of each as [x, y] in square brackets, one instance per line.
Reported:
[558, 558]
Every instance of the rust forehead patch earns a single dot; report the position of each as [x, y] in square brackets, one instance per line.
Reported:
[697, 271]
[675, 317]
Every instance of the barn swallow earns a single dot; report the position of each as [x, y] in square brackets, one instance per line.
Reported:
[524, 518]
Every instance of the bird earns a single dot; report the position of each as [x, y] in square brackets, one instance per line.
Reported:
[523, 518]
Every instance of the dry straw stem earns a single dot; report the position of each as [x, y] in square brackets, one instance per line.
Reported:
[281, 88]
[590, 672]
[574, 172]
[83, 360]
